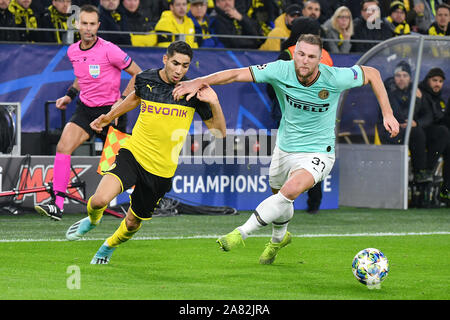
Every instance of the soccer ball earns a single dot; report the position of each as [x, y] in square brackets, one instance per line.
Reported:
[370, 267]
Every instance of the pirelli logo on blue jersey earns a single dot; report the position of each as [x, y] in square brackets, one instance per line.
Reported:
[307, 106]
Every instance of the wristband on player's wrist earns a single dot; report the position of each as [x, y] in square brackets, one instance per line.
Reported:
[72, 92]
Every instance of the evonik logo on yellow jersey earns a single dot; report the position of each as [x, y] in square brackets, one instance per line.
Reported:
[165, 111]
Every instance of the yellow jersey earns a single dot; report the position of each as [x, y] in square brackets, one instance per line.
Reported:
[162, 125]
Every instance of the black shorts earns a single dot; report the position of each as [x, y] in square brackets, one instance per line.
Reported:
[148, 188]
[84, 115]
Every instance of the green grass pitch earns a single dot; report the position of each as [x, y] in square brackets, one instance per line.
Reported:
[176, 258]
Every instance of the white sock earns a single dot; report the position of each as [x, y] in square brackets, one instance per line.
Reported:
[275, 208]
[278, 232]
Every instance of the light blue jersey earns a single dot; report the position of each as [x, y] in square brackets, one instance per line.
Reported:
[308, 112]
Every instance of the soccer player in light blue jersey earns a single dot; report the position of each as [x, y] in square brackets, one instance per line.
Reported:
[304, 154]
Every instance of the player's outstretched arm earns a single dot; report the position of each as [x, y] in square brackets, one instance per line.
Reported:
[131, 102]
[222, 77]
[133, 70]
[216, 125]
[372, 76]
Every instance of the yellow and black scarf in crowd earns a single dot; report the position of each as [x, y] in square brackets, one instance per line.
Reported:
[341, 40]
[257, 12]
[59, 21]
[435, 30]
[400, 28]
[22, 15]
[116, 16]
[205, 29]
[237, 26]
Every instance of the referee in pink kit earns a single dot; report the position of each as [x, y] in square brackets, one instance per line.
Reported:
[97, 65]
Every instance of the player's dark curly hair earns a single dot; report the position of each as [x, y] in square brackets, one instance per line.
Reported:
[179, 47]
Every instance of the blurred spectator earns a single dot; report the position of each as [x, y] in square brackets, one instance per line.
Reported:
[7, 20]
[399, 89]
[355, 7]
[153, 9]
[340, 28]
[80, 3]
[55, 17]
[39, 6]
[396, 19]
[137, 20]
[303, 25]
[437, 132]
[328, 8]
[432, 5]
[282, 5]
[264, 12]
[176, 25]
[283, 25]
[311, 8]
[445, 189]
[415, 15]
[227, 20]
[419, 13]
[369, 26]
[201, 22]
[440, 26]
[112, 18]
[24, 17]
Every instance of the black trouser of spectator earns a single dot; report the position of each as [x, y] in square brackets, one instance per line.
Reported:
[418, 148]
[315, 197]
[438, 141]
[417, 144]
[446, 167]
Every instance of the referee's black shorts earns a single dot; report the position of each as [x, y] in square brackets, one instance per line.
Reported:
[149, 188]
[84, 115]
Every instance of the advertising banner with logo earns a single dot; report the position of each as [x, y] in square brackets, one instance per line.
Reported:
[48, 74]
[241, 183]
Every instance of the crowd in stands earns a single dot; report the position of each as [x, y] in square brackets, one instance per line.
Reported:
[346, 25]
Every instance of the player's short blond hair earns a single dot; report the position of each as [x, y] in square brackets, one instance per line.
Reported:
[313, 39]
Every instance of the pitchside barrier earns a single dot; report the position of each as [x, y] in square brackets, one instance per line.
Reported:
[374, 175]
[239, 182]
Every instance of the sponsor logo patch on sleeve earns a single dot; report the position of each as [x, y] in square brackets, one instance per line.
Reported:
[355, 74]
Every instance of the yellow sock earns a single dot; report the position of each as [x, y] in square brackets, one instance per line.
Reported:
[95, 214]
[121, 235]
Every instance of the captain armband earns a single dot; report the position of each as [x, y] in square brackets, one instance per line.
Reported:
[72, 92]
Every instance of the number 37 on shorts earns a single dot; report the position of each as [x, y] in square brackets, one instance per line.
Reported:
[320, 165]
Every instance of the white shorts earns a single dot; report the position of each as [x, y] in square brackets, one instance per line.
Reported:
[284, 163]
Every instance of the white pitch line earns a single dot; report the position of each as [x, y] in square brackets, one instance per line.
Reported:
[378, 234]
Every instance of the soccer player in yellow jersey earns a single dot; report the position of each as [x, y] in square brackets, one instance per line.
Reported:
[149, 158]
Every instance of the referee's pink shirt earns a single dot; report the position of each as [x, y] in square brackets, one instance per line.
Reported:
[98, 71]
